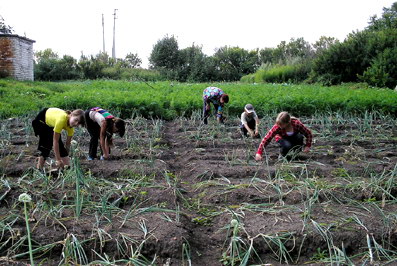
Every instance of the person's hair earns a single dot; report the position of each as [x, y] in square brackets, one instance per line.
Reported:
[79, 114]
[109, 131]
[283, 118]
[225, 98]
[120, 125]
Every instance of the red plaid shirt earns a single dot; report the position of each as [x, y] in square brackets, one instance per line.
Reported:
[279, 133]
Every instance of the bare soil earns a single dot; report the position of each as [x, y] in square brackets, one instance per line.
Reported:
[193, 181]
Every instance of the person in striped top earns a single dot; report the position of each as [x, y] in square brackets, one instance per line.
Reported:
[288, 133]
[101, 125]
[218, 98]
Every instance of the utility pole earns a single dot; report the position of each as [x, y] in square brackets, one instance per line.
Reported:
[103, 33]
[114, 35]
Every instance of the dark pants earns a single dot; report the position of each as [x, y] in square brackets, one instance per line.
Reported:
[206, 113]
[288, 143]
[46, 136]
[94, 130]
[251, 124]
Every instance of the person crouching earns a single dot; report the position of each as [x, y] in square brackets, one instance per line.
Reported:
[288, 133]
[249, 122]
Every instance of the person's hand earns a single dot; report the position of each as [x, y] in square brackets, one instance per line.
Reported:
[59, 164]
[207, 107]
[258, 157]
[256, 132]
[252, 133]
[306, 149]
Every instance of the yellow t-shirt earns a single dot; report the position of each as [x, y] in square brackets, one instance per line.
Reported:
[58, 119]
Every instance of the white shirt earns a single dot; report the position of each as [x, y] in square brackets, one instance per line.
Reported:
[97, 117]
[245, 118]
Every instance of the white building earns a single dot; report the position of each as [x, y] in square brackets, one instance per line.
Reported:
[16, 57]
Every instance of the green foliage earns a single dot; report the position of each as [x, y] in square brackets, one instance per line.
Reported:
[284, 52]
[92, 67]
[280, 74]
[388, 20]
[50, 67]
[368, 55]
[53, 69]
[169, 100]
[4, 28]
[195, 65]
[165, 54]
[234, 62]
[383, 70]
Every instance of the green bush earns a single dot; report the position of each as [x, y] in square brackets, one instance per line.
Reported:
[280, 74]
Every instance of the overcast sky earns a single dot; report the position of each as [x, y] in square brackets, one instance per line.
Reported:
[73, 27]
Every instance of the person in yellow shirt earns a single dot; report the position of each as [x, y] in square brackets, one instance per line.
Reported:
[48, 126]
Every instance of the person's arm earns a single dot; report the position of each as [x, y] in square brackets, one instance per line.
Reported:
[257, 126]
[55, 144]
[68, 141]
[219, 114]
[250, 131]
[207, 102]
[266, 140]
[243, 120]
[307, 133]
[102, 140]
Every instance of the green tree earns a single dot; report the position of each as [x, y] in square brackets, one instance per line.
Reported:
[132, 61]
[165, 54]
[388, 20]
[323, 44]
[233, 62]
[92, 67]
[55, 69]
[298, 48]
[4, 28]
[45, 55]
[195, 66]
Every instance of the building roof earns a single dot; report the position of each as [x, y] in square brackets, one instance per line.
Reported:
[16, 36]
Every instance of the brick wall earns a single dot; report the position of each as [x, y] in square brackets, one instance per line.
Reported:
[16, 57]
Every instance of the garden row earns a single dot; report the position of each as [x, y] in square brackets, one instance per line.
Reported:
[168, 100]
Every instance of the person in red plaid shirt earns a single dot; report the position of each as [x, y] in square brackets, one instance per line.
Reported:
[288, 132]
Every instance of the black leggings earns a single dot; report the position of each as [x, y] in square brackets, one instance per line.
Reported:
[251, 124]
[94, 130]
[46, 136]
[294, 142]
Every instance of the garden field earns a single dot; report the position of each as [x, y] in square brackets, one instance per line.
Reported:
[169, 100]
[177, 192]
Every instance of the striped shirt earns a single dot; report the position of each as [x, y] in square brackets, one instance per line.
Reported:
[279, 133]
[98, 114]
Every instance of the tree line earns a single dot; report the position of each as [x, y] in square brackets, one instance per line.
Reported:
[368, 56]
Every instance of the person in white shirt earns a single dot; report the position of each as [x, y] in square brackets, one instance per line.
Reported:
[249, 122]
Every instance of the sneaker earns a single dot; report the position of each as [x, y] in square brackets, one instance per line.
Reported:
[90, 158]
[102, 158]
